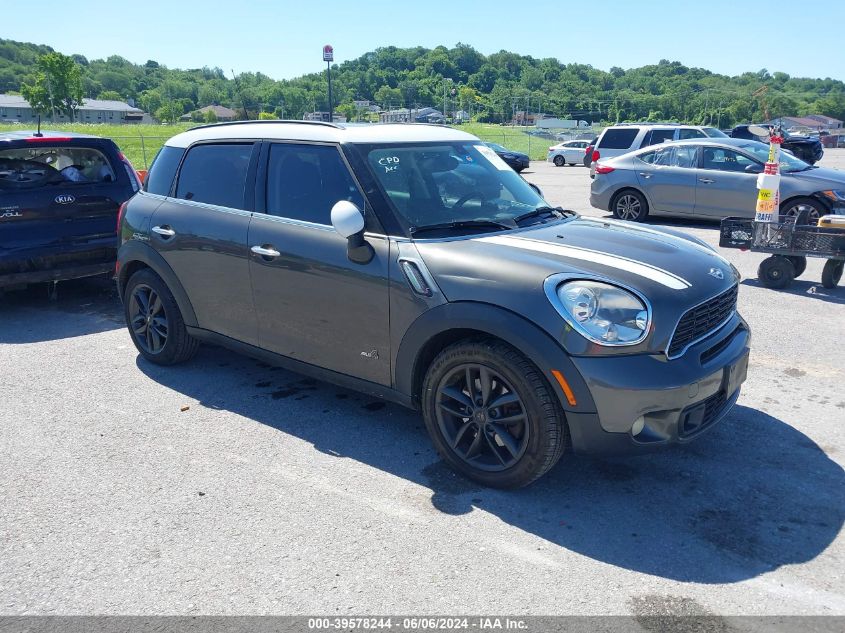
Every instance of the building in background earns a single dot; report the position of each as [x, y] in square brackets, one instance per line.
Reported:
[221, 112]
[16, 109]
[811, 122]
[415, 115]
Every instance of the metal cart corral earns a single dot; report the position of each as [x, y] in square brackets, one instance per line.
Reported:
[790, 244]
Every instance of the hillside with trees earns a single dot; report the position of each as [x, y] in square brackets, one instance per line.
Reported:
[491, 87]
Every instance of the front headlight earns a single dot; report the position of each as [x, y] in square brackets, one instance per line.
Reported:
[603, 313]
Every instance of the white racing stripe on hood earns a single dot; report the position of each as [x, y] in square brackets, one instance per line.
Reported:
[648, 271]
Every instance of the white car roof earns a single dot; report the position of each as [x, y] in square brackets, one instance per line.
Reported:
[317, 131]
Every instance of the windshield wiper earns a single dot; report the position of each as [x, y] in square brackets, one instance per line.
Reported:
[556, 212]
[462, 224]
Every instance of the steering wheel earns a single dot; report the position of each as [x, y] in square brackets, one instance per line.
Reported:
[468, 196]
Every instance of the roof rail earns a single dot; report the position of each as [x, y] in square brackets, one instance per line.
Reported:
[652, 123]
[323, 123]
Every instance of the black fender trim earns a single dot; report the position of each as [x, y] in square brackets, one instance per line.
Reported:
[546, 353]
[137, 251]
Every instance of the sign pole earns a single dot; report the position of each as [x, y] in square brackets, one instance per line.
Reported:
[328, 57]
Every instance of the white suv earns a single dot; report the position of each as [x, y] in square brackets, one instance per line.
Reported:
[626, 137]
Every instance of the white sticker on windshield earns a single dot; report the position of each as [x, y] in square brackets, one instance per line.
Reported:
[490, 155]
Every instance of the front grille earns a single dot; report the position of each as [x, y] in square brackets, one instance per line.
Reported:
[702, 319]
[703, 414]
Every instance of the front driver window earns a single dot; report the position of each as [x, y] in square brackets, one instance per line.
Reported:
[724, 160]
[305, 181]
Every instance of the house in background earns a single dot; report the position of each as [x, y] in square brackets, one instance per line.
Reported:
[323, 116]
[415, 115]
[811, 122]
[222, 113]
[16, 109]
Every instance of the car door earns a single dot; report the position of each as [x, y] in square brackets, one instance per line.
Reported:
[667, 177]
[201, 231]
[313, 303]
[723, 186]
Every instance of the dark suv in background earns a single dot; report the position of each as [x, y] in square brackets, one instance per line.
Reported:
[410, 262]
[59, 200]
[807, 148]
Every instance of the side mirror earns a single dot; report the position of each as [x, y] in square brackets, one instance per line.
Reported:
[348, 221]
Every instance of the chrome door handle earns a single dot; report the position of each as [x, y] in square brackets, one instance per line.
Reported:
[164, 231]
[706, 180]
[265, 252]
[645, 174]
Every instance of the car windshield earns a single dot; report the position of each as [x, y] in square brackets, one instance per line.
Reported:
[447, 183]
[788, 162]
[714, 133]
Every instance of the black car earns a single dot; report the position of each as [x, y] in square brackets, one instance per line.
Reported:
[515, 160]
[59, 200]
[410, 263]
[807, 148]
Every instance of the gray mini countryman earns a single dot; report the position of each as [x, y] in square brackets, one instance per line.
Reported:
[409, 262]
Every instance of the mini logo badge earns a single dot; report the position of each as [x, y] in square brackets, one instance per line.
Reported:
[717, 273]
[65, 199]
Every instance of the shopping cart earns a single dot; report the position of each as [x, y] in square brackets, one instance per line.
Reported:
[790, 245]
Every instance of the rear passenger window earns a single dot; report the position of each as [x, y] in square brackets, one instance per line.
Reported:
[653, 137]
[619, 138]
[215, 174]
[43, 165]
[305, 181]
[688, 134]
[159, 180]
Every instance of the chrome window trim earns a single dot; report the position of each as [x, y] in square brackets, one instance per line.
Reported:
[550, 286]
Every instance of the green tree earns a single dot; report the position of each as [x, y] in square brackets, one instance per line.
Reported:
[169, 112]
[57, 86]
[110, 95]
[209, 116]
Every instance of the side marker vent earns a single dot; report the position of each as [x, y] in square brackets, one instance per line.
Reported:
[415, 278]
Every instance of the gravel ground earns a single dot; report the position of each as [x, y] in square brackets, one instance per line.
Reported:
[226, 486]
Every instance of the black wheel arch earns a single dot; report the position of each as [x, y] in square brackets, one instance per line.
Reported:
[450, 322]
[135, 255]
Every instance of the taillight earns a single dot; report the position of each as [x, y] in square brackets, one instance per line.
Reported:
[130, 171]
[596, 155]
[120, 213]
[603, 169]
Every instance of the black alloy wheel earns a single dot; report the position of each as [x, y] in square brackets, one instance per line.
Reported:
[148, 319]
[559, 161]
[629, 205]
[482, 417]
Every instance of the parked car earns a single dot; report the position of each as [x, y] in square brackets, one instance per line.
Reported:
[410, 263]
[807, 148]
[59, 200]
[711, 179]
[568, 152]
[516, 160]
[626, 137]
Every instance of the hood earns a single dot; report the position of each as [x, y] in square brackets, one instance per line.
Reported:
[673, 271]
[821, 177]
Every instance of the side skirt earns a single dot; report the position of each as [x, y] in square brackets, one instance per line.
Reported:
[306, 369]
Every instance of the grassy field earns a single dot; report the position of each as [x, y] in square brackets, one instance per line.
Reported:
[141, 142]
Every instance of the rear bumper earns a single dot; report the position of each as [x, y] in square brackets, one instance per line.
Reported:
[679, 400]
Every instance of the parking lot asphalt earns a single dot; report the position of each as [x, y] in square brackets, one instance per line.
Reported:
[225, 486]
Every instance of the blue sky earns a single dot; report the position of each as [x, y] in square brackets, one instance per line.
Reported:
[284, 39]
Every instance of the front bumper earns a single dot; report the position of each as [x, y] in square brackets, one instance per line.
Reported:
[679, 399]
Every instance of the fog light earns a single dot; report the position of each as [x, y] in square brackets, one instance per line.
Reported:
[638, 426]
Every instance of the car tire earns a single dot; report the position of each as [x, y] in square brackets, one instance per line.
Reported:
[472, 436]
[832, 273]
[559, 161]
[776, 272]
[572, 164]
[799, 263]
[155, 322]
[629, 205]
[806, 211]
